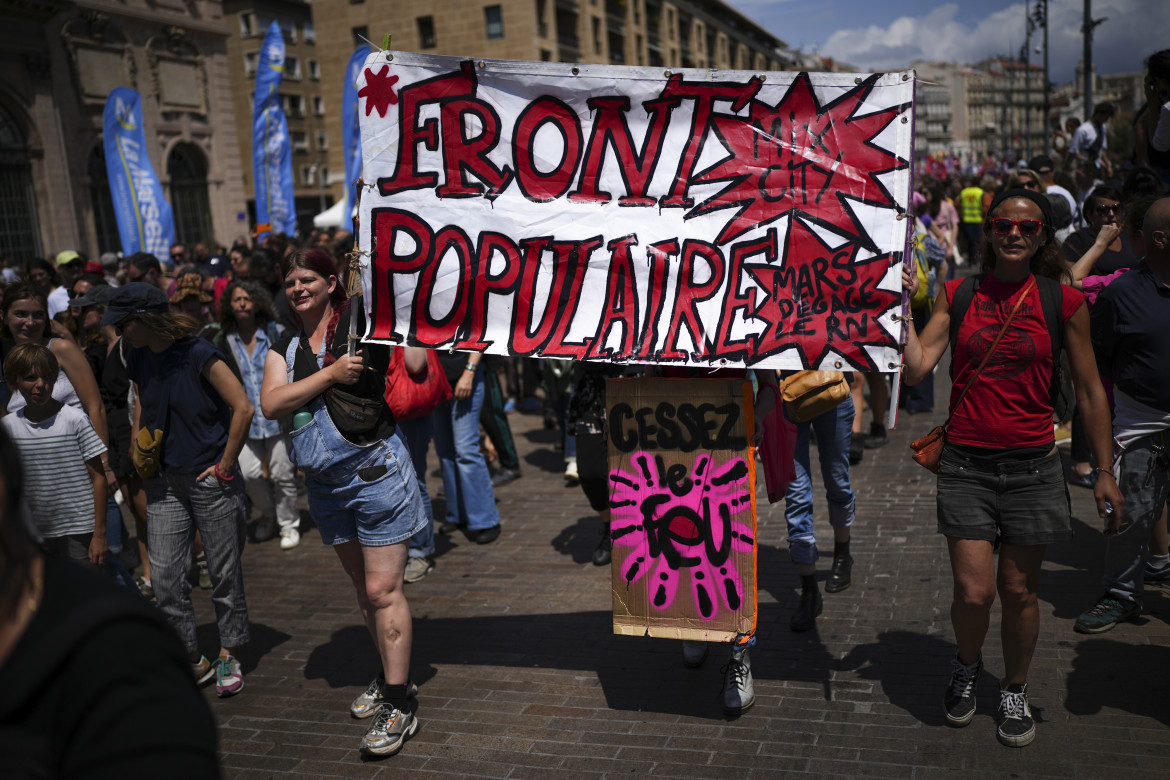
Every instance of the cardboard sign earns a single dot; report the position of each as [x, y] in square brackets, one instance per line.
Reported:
[683, 501]
[693, 217]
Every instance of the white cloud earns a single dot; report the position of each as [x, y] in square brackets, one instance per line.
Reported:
[1135, 29]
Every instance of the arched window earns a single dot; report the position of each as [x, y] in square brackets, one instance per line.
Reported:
[20, 235]
[104, 221]
[187, 170]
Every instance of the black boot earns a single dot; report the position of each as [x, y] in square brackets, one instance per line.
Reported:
[805, 616]
[877, 438]
[856, 448]
[603, 555]
[840, 574]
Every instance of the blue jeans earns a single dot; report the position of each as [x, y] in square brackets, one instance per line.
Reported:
[418, 434]
[1145, 486]
[466, 480]
[834, 429]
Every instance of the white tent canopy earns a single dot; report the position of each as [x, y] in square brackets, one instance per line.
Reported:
[330, 217]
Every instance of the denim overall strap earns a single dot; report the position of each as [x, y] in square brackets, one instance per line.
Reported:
[320, 450]
[290, 355]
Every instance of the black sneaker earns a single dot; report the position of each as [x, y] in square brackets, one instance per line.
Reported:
[604, 552]
[504, 476]
[1014, 724]
[959, 700]
[811, 605]
[840, 575]
[877, 436]
[856, 448]
[486, 535]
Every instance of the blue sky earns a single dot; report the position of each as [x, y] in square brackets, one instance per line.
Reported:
[872, 34]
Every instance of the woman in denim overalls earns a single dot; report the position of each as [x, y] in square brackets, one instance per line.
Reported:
[362, 490]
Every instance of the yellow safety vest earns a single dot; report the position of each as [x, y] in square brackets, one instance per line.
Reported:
[971, 203]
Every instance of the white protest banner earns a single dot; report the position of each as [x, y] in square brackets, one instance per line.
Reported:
[707, 218]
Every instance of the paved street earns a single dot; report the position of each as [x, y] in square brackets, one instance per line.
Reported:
[521, 676]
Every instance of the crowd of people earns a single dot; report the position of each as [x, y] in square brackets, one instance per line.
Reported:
[191, 402]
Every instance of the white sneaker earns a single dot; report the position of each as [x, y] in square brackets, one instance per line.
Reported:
[289, 538]
[571, 470]
[391, 728]
[417, 568]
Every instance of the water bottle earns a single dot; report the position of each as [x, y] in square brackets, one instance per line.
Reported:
[302, 417]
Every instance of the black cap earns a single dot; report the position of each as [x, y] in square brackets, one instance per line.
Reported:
[99, 294]
[1041, 163]
[135, 298]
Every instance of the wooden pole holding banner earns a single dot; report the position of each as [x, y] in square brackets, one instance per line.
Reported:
[353, 279]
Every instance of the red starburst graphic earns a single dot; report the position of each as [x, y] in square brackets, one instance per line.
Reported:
[379, 91]
[801, 157]
[822, 300]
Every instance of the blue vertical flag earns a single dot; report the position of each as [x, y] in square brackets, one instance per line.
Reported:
[145, 223]
[351, 134]
[271, 148]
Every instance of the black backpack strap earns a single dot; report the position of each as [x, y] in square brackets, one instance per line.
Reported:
[1051, 301]
[964, 294]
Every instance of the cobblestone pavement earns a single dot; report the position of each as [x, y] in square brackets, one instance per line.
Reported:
[521, 676]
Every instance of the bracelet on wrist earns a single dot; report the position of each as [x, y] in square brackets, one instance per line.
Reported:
[1102, 470]
[220, 475]
[471, 366]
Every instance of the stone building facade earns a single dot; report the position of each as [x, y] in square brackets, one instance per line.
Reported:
[992, 106]
[59, 59]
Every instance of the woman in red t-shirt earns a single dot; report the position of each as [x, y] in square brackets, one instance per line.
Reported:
[1000, 479]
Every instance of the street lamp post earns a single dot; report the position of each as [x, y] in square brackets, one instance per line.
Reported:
[320, 186]
[1029, 27]
[1007, 114]
[1087, 57]
[1042, 11]
[1087, 29]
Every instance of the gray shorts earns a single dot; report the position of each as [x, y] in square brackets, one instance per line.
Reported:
[1023, 502]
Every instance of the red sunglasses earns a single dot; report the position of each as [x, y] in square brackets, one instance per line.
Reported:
[1002, 226]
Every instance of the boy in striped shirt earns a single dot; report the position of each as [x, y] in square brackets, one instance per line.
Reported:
[65, 485]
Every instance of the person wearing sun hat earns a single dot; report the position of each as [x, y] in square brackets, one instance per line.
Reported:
[191, 298]
[70, 265]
